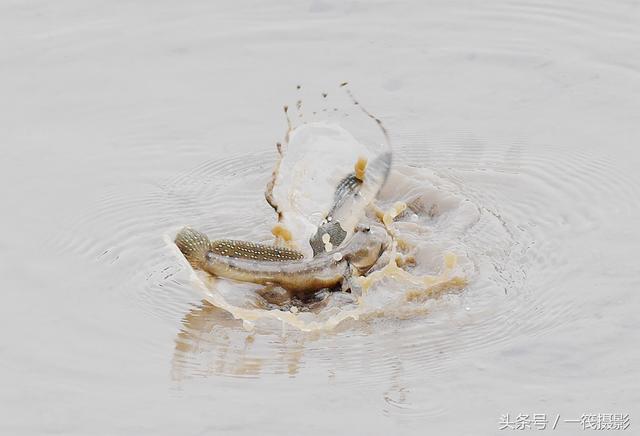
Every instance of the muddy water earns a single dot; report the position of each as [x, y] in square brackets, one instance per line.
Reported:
[121, 123]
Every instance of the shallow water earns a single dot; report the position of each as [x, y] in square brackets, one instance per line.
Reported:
[122, 123]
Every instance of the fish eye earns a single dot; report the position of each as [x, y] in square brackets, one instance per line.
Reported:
[209, 255]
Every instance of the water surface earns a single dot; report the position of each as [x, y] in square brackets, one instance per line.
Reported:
[122, 121]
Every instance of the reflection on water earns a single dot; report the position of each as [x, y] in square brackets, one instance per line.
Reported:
[211, 342]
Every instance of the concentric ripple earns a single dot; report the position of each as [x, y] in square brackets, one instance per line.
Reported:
[515, 216]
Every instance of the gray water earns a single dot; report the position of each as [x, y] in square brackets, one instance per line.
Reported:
[122, 121]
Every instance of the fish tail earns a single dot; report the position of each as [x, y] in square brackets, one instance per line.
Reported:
[193, 245]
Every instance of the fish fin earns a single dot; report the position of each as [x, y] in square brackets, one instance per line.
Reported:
[253, 251]
[376, 175]
[336, 236]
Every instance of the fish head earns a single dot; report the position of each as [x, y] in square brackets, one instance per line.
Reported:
[366, 246]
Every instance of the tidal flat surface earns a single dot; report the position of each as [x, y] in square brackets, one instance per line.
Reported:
[124, 121]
